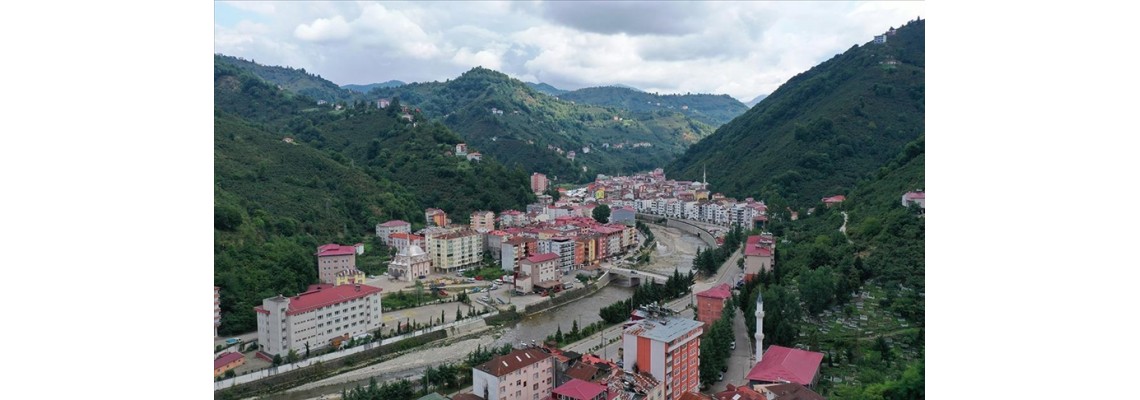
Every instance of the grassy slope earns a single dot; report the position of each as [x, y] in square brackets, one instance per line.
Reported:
[714, 110]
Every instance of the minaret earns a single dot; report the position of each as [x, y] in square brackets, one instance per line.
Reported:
[759, 327]
[704, 176]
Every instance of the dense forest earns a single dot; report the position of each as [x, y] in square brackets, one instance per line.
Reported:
[822, 130]
[714, 110]
[294, 80]
[339, 173]
[545, 88]
[370, 86]
[819, 269]
[507, 118]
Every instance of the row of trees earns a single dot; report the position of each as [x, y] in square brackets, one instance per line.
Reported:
[709, 261]
[676, 286]
[446, 376]
[575, 334]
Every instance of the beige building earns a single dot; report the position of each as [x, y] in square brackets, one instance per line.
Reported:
[411, 262]
[483, 221]
[541, 268]
[316, 317]
[333, 258]
[525, 374]
[452, 251]
[395, 226]
[758, 255]
[217, 311]
[349, 277]
[400, 241]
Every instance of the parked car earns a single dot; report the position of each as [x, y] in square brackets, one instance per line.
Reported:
[733, 346]
[720, 377]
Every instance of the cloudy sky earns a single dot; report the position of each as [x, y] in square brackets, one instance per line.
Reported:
[742, 49]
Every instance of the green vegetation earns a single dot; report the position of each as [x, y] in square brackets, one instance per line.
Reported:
[709, 261]
[294, 80]
[711, 109]
[367, 88]
[823, 130]
[676, 286]
[859, 297]
[530, 125]
[443, 377]
[545, 88]
[601, 213]
[345, 171]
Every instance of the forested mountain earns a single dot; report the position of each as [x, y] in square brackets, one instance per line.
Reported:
[506, 118]
[546, 88]
[370, 86]
[819, 270]
[823, 129]
[711, 109]
[295, 80]
[290, 175]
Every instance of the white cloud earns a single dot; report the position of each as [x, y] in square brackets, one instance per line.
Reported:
[739, 48]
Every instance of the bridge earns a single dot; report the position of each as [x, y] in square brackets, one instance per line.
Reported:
[636, 277]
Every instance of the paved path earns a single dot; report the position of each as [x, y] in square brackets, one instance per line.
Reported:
[740, 360]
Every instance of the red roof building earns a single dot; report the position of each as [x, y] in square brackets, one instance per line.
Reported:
[333, 258]
[785, 365]
[578, 389]
[227, 361]
[710, 303]
[830, 201]
[333, 249]
[539, 258]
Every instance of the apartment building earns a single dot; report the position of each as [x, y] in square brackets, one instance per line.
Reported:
[333, 258]
[668, 348]
[456, 250]
[525, 374]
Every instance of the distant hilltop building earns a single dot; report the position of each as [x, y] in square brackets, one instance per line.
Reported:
[461, 150]
[383, 103]
[916, 197]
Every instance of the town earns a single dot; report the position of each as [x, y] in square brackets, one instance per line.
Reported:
[588, 235]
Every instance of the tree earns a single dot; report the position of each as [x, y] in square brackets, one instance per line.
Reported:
[306, 349]
[602, 213]
[558, 334]
[553, 193]
[458, 314]
[277, 360]
[230, 373]
[292, 357]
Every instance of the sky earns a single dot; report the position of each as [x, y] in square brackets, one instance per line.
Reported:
[743, 49]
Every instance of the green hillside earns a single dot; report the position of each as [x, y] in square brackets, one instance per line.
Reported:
[824, 129]
[711, 109]
[546, 88]
[531, 127]
[811, 298]
[370, 86]
[344, 171]
[294, 80]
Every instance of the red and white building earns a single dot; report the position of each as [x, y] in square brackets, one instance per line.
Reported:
[909, 198]
[833, 200]
[316, 317]
[395, 226]
[783, 365]
[401, 241]
[542, 269]
[666, 348]
[525, 374]
[332, 259]
[217, 311]
[759, 254]
[577, 389]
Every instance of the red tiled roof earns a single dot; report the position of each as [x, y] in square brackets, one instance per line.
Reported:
[513, 361]
[226, 358]
[395, 222]
[312, 300]
[606, 230]
[408, 236]
[720, 292]
[915, 195]
[333, 249]
[835, 199]
[757, 251]
[538, 258]
[466, 396]
[497, 233]
[784, 364]
[582, 371]
[579, 389]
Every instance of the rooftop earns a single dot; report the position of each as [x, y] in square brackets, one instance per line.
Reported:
[226, 358]
[664, 329]
[395, 222]
[513, 361]
[782, 364]
[580, 389]
[322, 296]
[544, 257]
[721, 292]
[333, 249]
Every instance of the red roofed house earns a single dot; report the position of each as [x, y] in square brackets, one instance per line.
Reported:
[710, 303]
[914, 197]
[401, 241]
[833, 200]
[390, 227]
[542, 269]
[523, 374]
[784, 365]
[732, 392]
[333, 258]
[578, 389]
[758, 255]
[226, 362]
[316, 317]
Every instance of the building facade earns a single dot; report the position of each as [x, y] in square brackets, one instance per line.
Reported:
[456, 250]
[435, 217]
[668, 349]
[541, 268]
[710, 303]
[525, 374]
[538, 182]
[227, 361]
[758, 255]
[316, 317]
[390, 227]
[217, 311]
[483, 221]
[333, 258]
[400, 241]
[349, 277]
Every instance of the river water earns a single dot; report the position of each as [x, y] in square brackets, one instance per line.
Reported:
[675, 250]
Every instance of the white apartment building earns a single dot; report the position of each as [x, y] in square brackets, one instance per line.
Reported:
[316, 317]
[520, 375]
